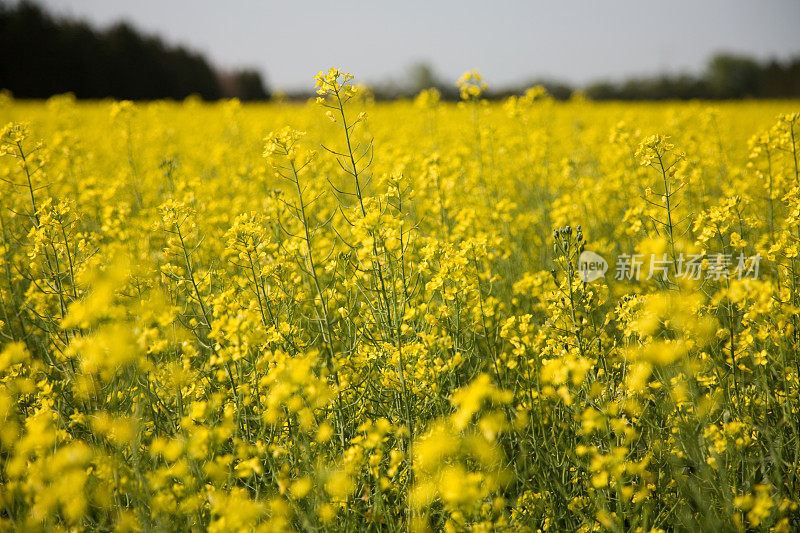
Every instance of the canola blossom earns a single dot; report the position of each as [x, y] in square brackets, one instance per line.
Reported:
[344, 315]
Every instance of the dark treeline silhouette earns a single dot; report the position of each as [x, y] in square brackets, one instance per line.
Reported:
[42, 56]
[726, 76]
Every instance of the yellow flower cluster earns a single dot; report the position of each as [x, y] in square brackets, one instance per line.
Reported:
[246, 317]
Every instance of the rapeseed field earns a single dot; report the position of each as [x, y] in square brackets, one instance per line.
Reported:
[344, 315]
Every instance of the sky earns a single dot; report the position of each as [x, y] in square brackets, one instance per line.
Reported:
[576, 41]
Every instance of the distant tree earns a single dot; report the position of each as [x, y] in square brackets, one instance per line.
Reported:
[42, 56]
[556, 89]
[601, 90]
[246, 85]
[251, 86]
[731, 76]
[421, 76]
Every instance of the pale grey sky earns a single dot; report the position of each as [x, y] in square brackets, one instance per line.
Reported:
[508, 41]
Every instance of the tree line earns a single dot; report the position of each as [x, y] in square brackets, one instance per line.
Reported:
[43, 55]
[726, 76]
